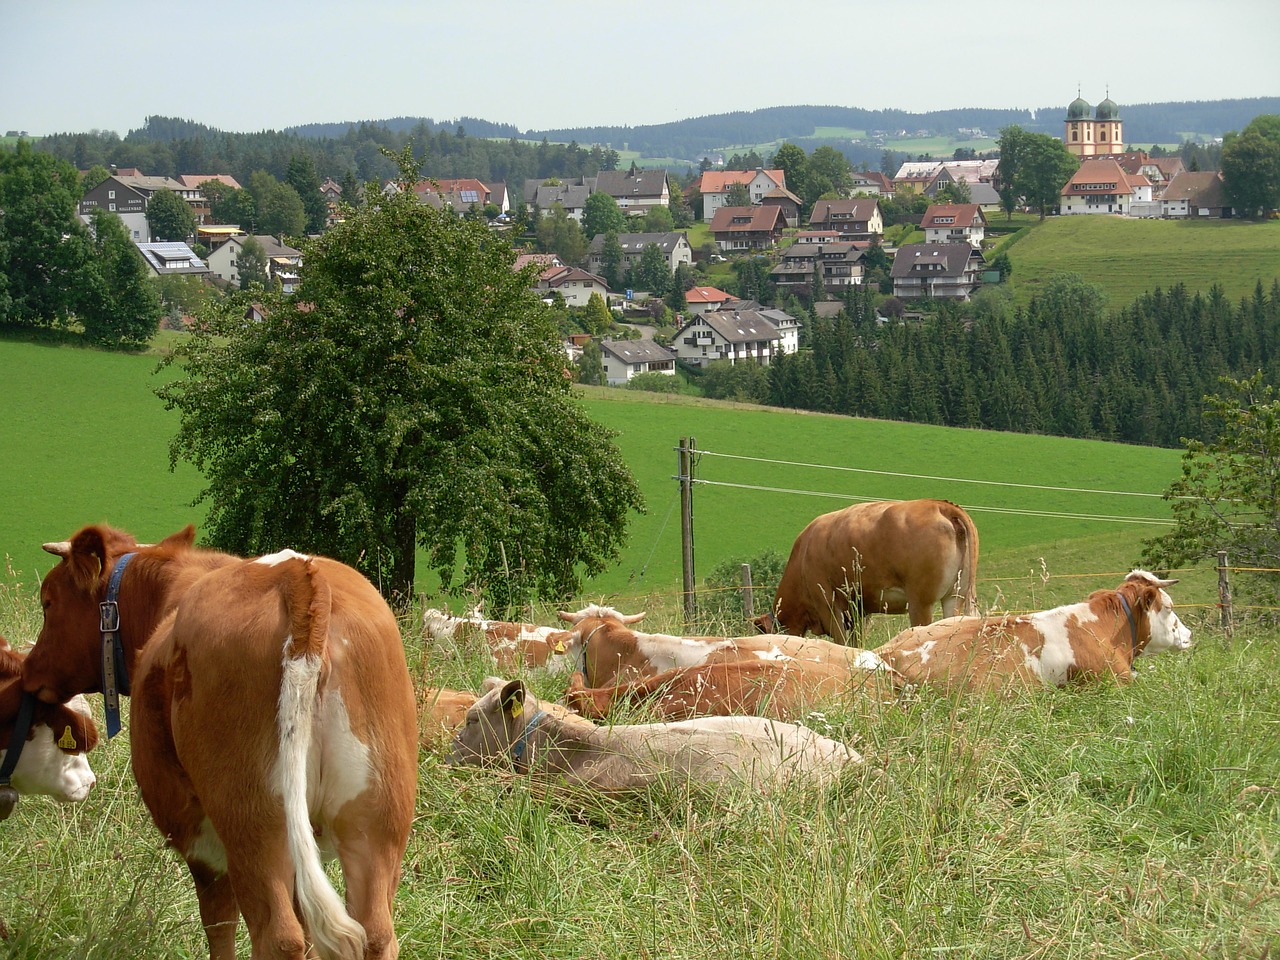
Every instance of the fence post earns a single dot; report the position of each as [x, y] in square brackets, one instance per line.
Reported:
[687, 446]
[1224, 594]
[748, 603]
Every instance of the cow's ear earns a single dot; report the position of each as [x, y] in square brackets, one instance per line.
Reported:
[490, 683]
[512, 699]
[87, 557]
[183, 539]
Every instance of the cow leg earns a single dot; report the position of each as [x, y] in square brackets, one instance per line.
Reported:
[920, 609]
[262, 876]
[371, 870]
[218, 910]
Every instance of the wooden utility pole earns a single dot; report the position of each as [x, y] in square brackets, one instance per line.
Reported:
[687, 447]
[1224, 593]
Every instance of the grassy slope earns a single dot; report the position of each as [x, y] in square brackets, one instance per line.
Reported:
[1127, 257]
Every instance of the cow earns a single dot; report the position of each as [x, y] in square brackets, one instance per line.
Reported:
[508, 726]
[606, 650]
[51, 761]
[881, 557]
[272, 718]
[1098, 637]
[512, 645]
[441, 712]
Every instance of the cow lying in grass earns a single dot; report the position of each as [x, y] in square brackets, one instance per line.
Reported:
[508, 726]
[512, 645]
[602, 645]
[441, 712]
[1098, 637]
[52, 761]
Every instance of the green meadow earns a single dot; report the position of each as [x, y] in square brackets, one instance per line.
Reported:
[1128, 257]
[1106, 822]
[87, 441]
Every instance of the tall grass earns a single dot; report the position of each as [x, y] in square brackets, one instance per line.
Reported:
[1104, 822]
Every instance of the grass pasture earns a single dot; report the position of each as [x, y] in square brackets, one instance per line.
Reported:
[1128, 257]
[1106, 822]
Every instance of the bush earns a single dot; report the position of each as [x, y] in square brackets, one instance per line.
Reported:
[722, 602]
[654, 383]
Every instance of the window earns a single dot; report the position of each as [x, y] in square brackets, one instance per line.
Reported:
[111, 195]
[111, 206]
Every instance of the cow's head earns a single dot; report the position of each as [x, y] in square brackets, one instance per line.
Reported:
[1165, 630]
[765, 623]
[495, 723]
[66, 659]
[596, 611]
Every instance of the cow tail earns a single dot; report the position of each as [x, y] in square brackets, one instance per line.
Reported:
[970, 534]
[308, 602]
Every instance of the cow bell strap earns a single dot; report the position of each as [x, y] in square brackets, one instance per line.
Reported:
[17, 740]
[522, 742]
[115, 674]
[1133, 624]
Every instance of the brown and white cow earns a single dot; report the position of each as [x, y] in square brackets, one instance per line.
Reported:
[509, 726]
[441, 712]
[882, 557]
[1098, 637]
[52, 762]
[512, 645]
[603, 646]
[272, 717]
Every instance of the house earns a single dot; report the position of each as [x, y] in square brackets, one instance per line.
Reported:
[498, 196]
[674, 246]
[214, 235]
[856, 219]
[747, 228]
[636, 190]
[840, 264]
[733, 335]
[283, 262]
[1195, 194]
[1158, 170]
[193, 184]
[571, 196]
[788, 201]
[949, 222]
[623, 359]
[714, 186]
[702, 299]
[541, 260]
[331, 190]
[1101, 186]
[126, 200]
[166, 259]
[872, 183]
[938, 270]
[574, 284]
[461, 195]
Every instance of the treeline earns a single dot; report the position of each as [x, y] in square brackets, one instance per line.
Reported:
[1058, 367]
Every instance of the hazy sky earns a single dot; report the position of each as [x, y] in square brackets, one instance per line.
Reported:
[77, 65]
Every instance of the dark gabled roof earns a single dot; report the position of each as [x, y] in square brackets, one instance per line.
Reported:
[953, 257]
[763, 219]
[961, 214]
[859, 208]
[737, 326]
[633, 242]
[1191, 185]
[637, 351]
[631, 184]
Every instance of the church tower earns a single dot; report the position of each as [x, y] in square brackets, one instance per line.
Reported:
[1094, 136]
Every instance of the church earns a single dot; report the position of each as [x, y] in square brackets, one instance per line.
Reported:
[1099, 135]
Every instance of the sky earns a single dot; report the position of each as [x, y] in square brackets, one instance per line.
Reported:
[241, 66]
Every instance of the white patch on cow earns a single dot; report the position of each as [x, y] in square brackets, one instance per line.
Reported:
[207, 848]
[666, 652]
[1052, 662]
[271, 559]
[869, 660]
[1167, 631]
[923, 651]
[44, 770]
[345, 770]
[773, 653]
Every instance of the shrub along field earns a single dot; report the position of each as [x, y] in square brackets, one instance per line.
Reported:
[1103, 822]
[1128, 257]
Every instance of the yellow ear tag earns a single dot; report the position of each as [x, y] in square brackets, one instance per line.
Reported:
[517, 708]
[559, 646]
[67, 741]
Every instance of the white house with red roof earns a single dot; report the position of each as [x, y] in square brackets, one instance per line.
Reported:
[714, 186]
[572, 283]
[951, 222]
[1102, 186]
[704, 299]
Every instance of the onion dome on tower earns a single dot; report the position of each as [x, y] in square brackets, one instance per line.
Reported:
[1079, 109]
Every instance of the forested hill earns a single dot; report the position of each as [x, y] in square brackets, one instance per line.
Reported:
[1145, 123]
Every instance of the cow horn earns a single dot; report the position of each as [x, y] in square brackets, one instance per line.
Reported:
[60, 549]
[634, 618]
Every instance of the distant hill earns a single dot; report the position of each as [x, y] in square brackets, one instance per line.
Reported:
[1145, 123]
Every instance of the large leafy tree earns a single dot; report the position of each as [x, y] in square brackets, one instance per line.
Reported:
[118, 304]
[560, 234]
[305, 181]
[1043, 167]
[602, 214]
[251, 264]
[44, 248]
[1251, 166]
[169, 217]
[278, 207]
[1227, 496]
[414, 395]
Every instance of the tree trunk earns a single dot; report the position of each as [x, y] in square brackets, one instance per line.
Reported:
[404, 557]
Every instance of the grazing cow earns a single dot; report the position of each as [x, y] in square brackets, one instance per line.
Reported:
[441, 712]
[603, 647]
[1098, 637]
[508, 726]
[272, 717]
[512, 645]
[52, 760]
[884, 557]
